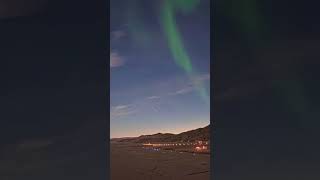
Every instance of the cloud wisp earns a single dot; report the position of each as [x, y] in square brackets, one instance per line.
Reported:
[122, 111]
[153, 97]
[118, 34]
[116, 60]
[182, 91]
[196, 81]
[201, 78]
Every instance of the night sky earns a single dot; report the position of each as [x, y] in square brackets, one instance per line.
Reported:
[150, 92]
[54, 90]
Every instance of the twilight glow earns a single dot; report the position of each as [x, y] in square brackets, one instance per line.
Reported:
[160, 67]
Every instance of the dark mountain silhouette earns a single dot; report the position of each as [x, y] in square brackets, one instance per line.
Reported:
[202, 134]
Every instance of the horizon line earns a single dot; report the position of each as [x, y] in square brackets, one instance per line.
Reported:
[159, 132]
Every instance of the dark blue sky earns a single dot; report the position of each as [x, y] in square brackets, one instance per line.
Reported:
[149, 92]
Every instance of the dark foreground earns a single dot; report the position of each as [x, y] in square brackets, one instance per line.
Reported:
[131, 161]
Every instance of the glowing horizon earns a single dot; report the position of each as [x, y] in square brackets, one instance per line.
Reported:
[160, 67]
[171, 131]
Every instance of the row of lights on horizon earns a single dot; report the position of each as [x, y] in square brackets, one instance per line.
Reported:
[177, 144]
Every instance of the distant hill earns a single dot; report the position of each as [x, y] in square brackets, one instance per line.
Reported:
[192, 135]
[202, 134]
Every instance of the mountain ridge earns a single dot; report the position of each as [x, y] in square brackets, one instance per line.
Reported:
[202, 134]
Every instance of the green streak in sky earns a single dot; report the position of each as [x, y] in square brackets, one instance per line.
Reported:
[175, 42]
[174, 39]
